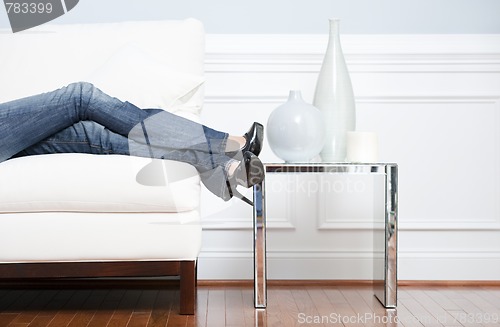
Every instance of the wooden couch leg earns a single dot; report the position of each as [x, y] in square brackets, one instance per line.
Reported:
[188, 287]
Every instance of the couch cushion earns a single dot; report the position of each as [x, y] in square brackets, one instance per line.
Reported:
[134, 75]
[51, 56]
[75, 236]
[95, 183]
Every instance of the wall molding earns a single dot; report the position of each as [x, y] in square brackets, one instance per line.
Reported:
[400, 98]
[471, 226]
[465, 45]
[245, 224]
[302, 53]
[339, 253]
[349, 265]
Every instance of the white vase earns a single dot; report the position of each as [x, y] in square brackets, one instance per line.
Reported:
[334, 97]
[295, 130]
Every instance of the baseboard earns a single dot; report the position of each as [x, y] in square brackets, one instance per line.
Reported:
[449, 283]
[168, 283]
[284, 282]
[345, 283]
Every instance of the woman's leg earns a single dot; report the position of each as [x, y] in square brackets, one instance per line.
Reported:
[82, 119]
[82, 137]
[28, 121]
[90, 137]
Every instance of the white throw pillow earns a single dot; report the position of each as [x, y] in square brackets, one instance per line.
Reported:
[133, 75]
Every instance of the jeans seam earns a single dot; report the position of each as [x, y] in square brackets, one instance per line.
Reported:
[94, 146]
[223, 144]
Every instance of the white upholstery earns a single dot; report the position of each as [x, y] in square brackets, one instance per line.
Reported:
[73, 207]
[55, 183]
[50, 56]
[72, 236]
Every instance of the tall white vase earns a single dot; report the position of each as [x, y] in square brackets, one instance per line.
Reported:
[334, 97]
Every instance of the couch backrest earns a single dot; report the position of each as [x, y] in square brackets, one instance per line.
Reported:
[151, 64]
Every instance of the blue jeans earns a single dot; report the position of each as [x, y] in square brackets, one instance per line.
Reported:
[80, 118]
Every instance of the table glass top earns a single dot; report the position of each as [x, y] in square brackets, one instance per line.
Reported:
[332, 167]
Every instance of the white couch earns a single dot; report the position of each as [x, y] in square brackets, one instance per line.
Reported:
[80, 215]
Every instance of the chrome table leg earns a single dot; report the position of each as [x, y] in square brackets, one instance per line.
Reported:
[387, 291]
[259, 243]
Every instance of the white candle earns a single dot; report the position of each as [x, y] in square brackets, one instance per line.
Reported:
[362, 147]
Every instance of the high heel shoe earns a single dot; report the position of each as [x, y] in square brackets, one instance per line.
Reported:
[254, 139]
[249, 172]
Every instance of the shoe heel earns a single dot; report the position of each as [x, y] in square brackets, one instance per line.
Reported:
[240, 196]
[233, 192]
[251, 170]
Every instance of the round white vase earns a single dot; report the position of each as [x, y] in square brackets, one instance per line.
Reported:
[295, 130]
[334, 97]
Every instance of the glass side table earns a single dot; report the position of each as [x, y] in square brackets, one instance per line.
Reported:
[384, 231]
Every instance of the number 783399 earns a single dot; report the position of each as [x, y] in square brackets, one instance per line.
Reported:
[28, 7]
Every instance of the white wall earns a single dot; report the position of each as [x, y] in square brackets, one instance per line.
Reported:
[435, 102]
[300, 16]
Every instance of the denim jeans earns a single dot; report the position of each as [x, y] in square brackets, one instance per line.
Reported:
[80, 118]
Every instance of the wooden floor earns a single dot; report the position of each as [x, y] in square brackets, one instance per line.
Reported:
[233, 306]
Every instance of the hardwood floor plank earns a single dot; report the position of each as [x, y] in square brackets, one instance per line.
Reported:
[7, 318]
[191, 321]
[139, 319]
[442, 299]
[161, 309]
[438, 312]
[359, 305]
[142, 312]
[406, 318]
[306, 306]
[175, 319]
[9, 299]
[418, 311]
[146, 301]
[487, 300]
[18, 325]
[89, 308]
[23, 301]
[216, 307]
[48, 313]
[273, 311]
[380, 315]
[34, 307]
[105, 311]
[70, 309]
[471, 314]
[425, 306]
[341, 308]
[289, 308]
[253, 317]
[494, 294]
[322, 307]
[200, 318]
[235, 314]
[121, 315]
